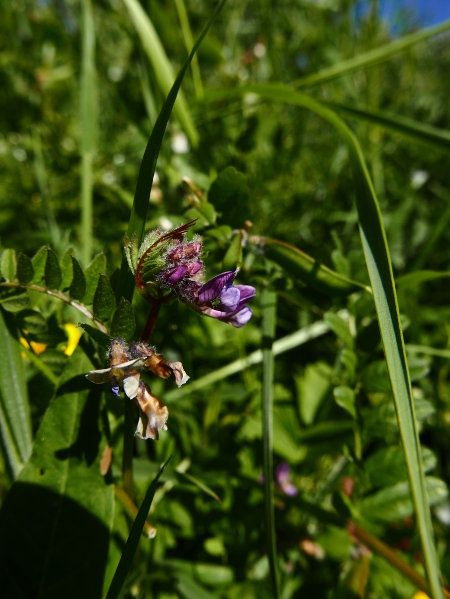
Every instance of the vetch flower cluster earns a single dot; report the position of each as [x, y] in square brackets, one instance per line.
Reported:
[124, 372]
[168, 265]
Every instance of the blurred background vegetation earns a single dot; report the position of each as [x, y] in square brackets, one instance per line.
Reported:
[295, 185]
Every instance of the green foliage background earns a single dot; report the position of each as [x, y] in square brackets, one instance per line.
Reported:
[74, 123]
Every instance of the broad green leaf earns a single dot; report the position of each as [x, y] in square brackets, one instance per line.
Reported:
[88, 117]
[371, 57]
[101, 338]
[31, 321]
[38, 261]
[8, 264]
[25, 270]
[60, 500]
[136, 225]
[53, 275]
[103, 299]
[387, 466]
[382, 281]
[15, 419]
[233, 256]
[15, 300]
[213, 574]
[66, 268]
[96, 268]
[301, 266]
[124, 323]
[312, 387]
[133, 539]
[269, 319]
[78, 286]
[161, 65]
[394, 503]
[418, 132]
[340, 327]
[413, 279]
[345, 398]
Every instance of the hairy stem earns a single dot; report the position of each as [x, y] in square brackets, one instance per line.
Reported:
[61, 297]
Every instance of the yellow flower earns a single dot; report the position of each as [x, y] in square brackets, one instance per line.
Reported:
[420, 595]
[38, 348]
[74, 334]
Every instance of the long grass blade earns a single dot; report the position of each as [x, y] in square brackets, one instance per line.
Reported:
[269, 318]
[280, 346]
[136, 225]
[372, 57]
[382, 281]
[15, 418]
[88, 127]
[161, 64]
[418, 132]
[189, 42]
[133, 540]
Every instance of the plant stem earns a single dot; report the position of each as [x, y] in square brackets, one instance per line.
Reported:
[268, 311]
[61, 297]
[151, 321]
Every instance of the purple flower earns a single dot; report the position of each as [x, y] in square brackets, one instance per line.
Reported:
[282, 479]
[219, 299]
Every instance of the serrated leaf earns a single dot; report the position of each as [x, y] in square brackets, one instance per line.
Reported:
[124, 323]
[78, 285]
[103, 299]
[345, 398]
[67, 502]
[8, 264]
[31, 321]
[66, 268]
[233, 256]
[38, 262]
[99, 336]
[15, 419]
[15, 300]
[53, 275]
[25, 270]
[96, 267]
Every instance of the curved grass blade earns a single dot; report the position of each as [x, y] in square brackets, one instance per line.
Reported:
[269, 318]
[307, 269]
[418, 132]
[136, 225]
[372, 57]
[133, 539]
[413, 279]
[380, 271]
[161, 65]
[189, 42]
[382, 281]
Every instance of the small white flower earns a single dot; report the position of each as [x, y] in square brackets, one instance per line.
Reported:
[419, 178]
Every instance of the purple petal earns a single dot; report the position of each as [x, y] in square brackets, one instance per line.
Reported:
[211, 290]
[289, 489]
[247, 292]
[282, 473]
[229, 299]
[240, 318]
[193, 268]
[173, 275]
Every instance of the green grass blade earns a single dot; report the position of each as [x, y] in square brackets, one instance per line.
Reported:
[382, 281]
[269, 319]
[41, 176]
[88, 127]
[418, 132]
[412, 279]
[280, 346]
[161, 65]
[133, 539]
[308, 270]
[372, 57]
[189, 42]
[15, 419]
[136, 225]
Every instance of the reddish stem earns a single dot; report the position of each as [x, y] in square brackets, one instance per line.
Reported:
[151, 320]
